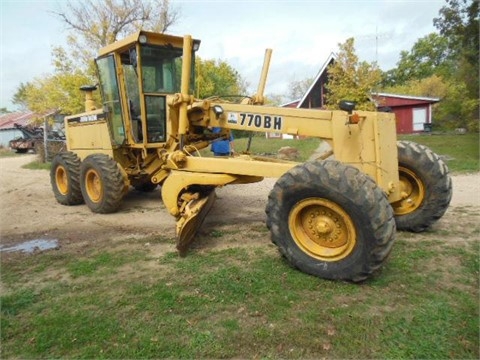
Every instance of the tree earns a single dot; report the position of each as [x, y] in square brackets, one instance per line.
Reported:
[20, 96]
[429, 55]
[298, 88]
[451, 56]
[458, 21]
[97, 23]
[57, 92]
[93, 24]
[433, 86]
[275, 99]
[351, 79]
[453, 110]
[217, 78]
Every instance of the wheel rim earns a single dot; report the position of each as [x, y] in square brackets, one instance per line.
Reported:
[61, 180]
[93, 185]
[322, 229]
[412, 191]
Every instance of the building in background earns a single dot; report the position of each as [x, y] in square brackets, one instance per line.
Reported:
[413, 113]
[8, 131]
[11, 125]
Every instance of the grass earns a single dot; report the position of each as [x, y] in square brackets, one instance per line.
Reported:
[242, 302]
[37, 165]
[247, 302]
[5, 152]
[461, 152]
[262, 146]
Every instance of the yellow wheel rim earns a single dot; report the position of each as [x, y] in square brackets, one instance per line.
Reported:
[322, 229]
[61, 180]
[93, 186]
[412, 191]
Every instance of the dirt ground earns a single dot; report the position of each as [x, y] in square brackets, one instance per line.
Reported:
[28, 210]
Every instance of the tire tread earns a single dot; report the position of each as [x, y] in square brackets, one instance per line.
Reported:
[112, 180]
[71, 162]
[362, 191]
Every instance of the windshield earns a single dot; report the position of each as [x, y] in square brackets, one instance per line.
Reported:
[161, 69]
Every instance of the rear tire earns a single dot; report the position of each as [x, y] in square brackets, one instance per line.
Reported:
[101, 183]
[426, 186]
[65, 178]
[330, 220]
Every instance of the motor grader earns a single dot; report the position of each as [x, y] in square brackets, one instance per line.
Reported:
[332, 218]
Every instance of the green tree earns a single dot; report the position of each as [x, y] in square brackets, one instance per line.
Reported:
[217, 78]
[351, 79]
[59, 91]
[452, 56]
[429, 55]
[20, 96]
[453, 110]
[459, 21]
[434, 86]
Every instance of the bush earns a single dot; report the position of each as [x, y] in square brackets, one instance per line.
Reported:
[53, 148]
[473, 125]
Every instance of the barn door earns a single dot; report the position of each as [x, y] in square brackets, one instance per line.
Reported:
[419, 118]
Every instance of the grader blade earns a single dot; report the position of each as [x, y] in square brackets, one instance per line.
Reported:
[191, 219]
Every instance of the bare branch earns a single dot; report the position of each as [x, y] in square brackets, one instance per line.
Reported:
[97, 23]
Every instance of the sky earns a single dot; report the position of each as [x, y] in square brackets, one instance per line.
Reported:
[302, 34]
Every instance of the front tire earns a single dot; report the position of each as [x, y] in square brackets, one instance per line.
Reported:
[102, 183]
[426, 187]
[330, 220]
[65, 178]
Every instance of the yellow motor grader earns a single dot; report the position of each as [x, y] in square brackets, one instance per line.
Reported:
[335, 219]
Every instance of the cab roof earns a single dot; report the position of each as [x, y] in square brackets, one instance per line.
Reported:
[152, 38]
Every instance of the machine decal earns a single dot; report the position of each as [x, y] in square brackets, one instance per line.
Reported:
[261, 121]
[232, 118]
[87, 118]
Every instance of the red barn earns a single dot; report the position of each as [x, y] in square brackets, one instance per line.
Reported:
[413, 113]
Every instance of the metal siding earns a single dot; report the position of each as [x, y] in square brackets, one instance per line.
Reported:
[403, 109]
[9, 134]
[404, 120]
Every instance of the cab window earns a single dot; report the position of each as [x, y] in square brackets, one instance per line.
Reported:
[161, 69]
[111, 97]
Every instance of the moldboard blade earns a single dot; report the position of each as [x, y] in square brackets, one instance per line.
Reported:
[191, 220]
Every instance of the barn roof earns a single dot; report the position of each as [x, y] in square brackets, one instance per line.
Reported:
[322, 70]
[292, 103]
[23, 118]
[408, 97]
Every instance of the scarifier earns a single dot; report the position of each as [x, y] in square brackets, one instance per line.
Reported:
[335, 219]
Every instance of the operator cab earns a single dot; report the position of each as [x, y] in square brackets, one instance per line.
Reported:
[137, 75]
